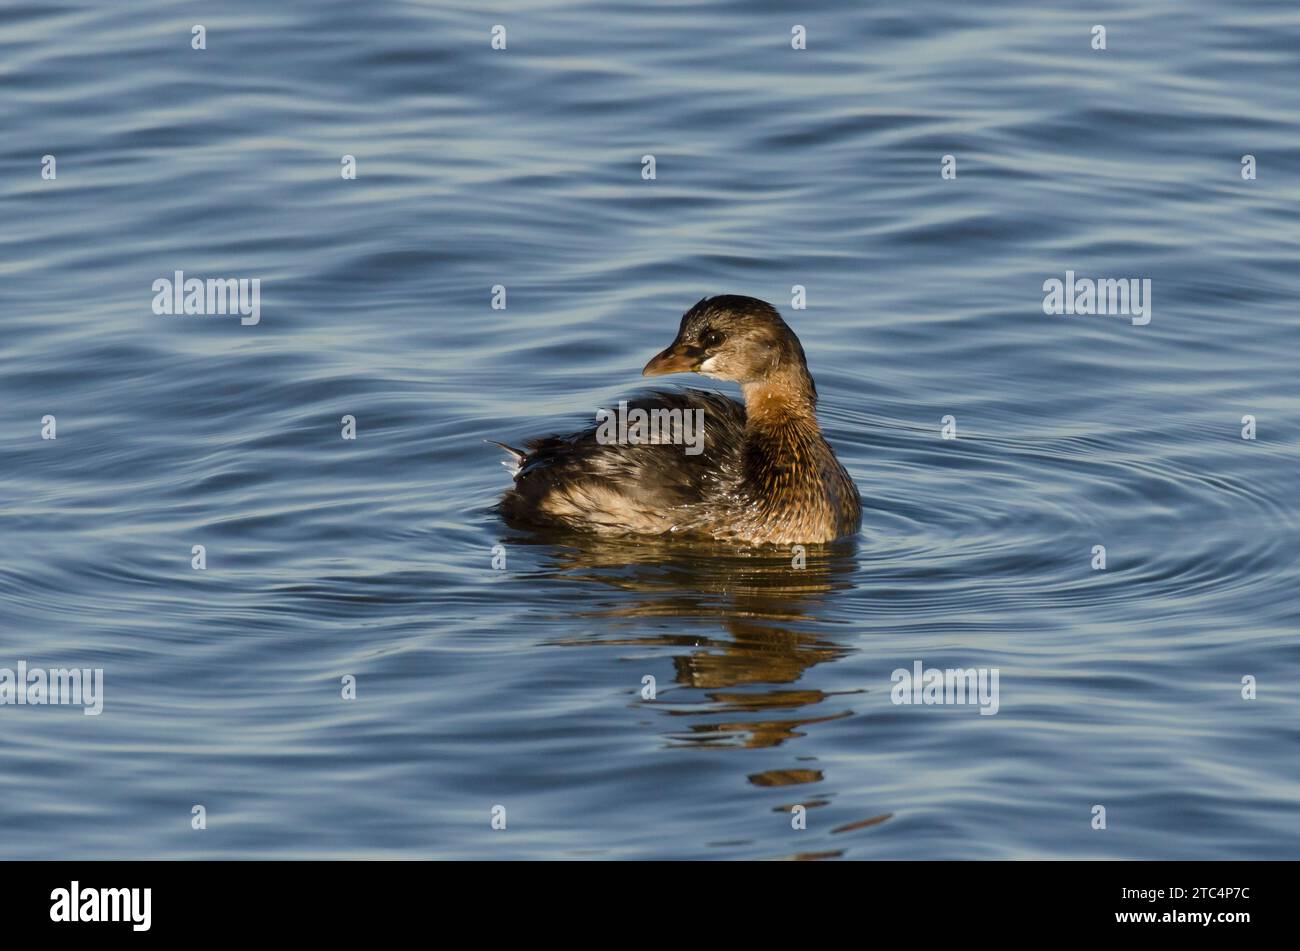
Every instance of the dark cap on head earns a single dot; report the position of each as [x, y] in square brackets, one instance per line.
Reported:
[732, 337]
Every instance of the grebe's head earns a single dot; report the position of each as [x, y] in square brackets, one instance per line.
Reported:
[730, 337]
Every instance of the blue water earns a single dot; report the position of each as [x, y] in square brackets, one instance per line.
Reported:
[522, 687]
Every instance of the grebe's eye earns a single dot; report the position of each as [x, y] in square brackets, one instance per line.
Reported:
[711, 339]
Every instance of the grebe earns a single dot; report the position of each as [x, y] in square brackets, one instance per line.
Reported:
[766, 474]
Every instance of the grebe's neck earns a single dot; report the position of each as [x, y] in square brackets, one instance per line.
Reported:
[780, 400]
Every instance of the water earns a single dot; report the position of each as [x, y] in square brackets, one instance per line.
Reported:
[372, 558]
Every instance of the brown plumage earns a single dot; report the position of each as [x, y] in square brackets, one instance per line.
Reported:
[765, 475]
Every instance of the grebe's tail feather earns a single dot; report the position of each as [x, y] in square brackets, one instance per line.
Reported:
[517, 456]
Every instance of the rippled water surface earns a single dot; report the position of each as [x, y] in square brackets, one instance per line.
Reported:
[522, 687]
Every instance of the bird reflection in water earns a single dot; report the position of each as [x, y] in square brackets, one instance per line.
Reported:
[748, 673]
[742, 684]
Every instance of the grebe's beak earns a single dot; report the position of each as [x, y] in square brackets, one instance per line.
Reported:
[678, 358]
